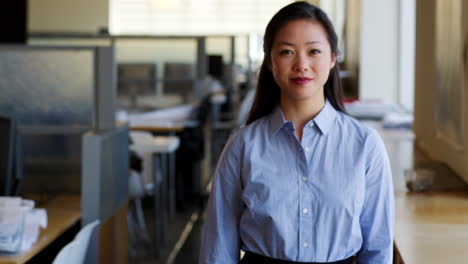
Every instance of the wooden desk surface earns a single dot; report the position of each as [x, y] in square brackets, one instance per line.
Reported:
[62, 212]
[157, 129]
[430, 227]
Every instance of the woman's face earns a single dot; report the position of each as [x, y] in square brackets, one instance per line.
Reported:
[301, 60]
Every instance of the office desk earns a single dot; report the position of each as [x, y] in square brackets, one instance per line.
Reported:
[62, 213]
[157, 128]
[174, 119]
[160, 126]
[430, 227]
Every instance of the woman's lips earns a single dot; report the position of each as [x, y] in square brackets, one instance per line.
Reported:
[301, 80]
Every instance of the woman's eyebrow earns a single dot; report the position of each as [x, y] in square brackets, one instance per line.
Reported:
[285, 43]
[313, 42]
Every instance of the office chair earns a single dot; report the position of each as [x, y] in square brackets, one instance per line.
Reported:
[75, 251]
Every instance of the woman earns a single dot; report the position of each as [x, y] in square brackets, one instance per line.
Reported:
[302, 182]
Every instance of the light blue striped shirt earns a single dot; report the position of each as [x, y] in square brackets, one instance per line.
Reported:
[320, 200]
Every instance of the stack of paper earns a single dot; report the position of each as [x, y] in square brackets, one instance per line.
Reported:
[19, 223]
[397, 120]
[367, 109]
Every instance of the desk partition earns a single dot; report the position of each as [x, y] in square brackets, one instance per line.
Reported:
[51, 88]
[58, 89]
[56, 94]
[105, 173]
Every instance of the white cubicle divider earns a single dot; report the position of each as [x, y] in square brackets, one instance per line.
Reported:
[104, 180]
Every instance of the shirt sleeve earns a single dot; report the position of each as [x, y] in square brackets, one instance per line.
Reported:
[220, 237]
[377, 216]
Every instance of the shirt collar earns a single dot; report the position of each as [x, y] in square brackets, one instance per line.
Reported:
[323, 120]
[276, 120]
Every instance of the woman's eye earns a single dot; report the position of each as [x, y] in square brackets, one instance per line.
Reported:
[285, 52]
[314, 51]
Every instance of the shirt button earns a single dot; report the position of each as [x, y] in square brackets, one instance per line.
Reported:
[311, 124]
[304, 179]
[305, 244]
[305, 210]
[307, 149]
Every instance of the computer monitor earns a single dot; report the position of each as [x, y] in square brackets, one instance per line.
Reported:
[179, 79]
[14, 18]
[10, 157]
[216, 66]
[137, 79]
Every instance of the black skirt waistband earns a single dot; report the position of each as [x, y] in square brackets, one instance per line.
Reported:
[254, 258]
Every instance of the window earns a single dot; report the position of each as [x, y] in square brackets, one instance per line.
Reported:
[192, 17]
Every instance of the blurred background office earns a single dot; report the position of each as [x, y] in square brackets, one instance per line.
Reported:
[117, 111]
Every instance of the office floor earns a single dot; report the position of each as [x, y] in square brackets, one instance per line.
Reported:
[182, 240]
[183, 234]
[190, 250]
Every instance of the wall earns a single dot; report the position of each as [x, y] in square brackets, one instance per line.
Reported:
[407, 21]
[86, 16]
[378, 77]
[425, 95]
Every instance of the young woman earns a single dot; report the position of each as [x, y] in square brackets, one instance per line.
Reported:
[302, 182]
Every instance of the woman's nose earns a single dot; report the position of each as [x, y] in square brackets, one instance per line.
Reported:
[300, 64]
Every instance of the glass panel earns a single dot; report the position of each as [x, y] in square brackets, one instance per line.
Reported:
[45, 41]
[43, 87]
[52, 163]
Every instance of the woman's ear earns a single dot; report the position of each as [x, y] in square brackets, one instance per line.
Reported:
[333, 62]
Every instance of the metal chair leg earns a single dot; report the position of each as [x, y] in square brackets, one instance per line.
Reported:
[143, 230]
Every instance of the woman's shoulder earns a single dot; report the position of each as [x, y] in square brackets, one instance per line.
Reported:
[239, 138]
[260, 125]
[352, 126]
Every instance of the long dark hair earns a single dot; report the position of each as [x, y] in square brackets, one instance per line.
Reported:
[267, 95]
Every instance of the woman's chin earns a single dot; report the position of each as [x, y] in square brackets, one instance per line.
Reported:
[303, 97]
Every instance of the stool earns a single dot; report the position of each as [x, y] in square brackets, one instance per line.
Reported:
[158, 153]
[138, 230]
[166, 149]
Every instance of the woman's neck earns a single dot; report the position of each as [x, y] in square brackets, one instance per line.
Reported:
[300, 112]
